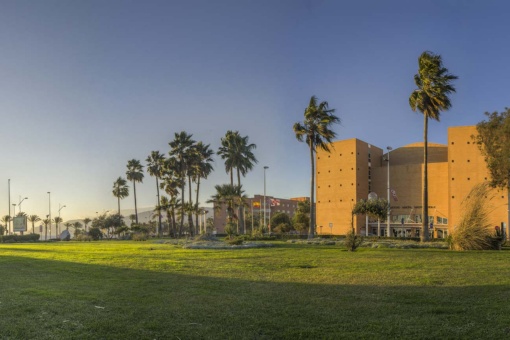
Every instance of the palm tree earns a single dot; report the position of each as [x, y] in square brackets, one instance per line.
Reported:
[6, 219]
[120, 190]
[46, 221]
[238, 154]
[179, 151]
[86, 221]
[434, 84]
[67, 225]
[33, 219]
[56, 220]
[229, 196]
[202, 168]
[155, 163]
[316, 131]
[77, 226]
[134, 173]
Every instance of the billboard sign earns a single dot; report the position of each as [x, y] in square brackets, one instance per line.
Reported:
[20, 223]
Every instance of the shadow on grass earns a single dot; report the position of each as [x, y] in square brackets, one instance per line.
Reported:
[51, 299]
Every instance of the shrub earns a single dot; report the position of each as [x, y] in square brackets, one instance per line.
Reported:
[230, 230]
[474, 229]
[83, 238]
[95, 233]
[140, 237]
[235, 241]
[19, 238]
[352, 241]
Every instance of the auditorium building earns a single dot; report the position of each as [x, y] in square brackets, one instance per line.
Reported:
[354, 168]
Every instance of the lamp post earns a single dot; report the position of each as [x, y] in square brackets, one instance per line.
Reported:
[9, 194]
[59, 208]
[389, 148]
[49, 209]
[21, 200]
[265, 168]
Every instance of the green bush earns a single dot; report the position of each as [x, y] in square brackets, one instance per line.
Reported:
[235, 241]
[95, 233]
[352, 241]
[83, 238]
[140, 237]
[19, 238]
[230, 230]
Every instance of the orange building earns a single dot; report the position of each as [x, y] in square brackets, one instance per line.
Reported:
[355, 168]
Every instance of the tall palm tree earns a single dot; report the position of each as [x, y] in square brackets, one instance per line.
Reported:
[46, 221]
[155, 163]
[434, 84]
[6, 219]
[33, 219]
[56, 220]
[171, 182]
[67, 225]
[134, 173]
[86, 221]
[202, 168]
[77, 226]
[229, 196]
[316, 132]
[238, 154]
[120, 190]
[179, 151]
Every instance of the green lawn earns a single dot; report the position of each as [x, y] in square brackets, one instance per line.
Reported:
[135, 290]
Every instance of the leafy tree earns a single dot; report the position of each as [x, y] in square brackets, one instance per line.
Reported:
[493, 140]
[237, 152]
[2, 229]
[134, 173]
[281, 222]
[316, 132]
[435, 84]
[95, 233]
[155, 163]
[300, 221]
[120, 190]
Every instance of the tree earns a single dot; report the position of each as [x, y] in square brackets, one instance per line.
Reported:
[134, 173]
[315, 131]
[238, 154]
[33, 219]
[281, 222]
[202, 168]
[77, 226]
[179, 152]
[120, 190]
[155, 163]
[435, 84]
[56, 220]
[230, 197]
[493, 140]
[67, 225]
[86, 221]
[46, 221]
[6, 219]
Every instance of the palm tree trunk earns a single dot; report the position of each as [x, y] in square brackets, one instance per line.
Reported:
[118, 203]
[425, 208]
[136, 209]
[196, 203]
[232, 176]
[241, 207]
[311, 233]
[190, 212]
[159, 207]
[182, 208]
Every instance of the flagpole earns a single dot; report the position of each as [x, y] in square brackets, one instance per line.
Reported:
[252, 216]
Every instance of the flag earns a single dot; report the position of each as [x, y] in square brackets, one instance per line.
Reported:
[256, 204]
[394, 194]
[275, 202]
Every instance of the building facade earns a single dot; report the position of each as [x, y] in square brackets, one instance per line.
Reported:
[255, 207]
[355, 168]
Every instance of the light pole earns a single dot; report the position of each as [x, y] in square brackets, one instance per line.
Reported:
[389, 148]
[49, 209]
[19, 204]
[265, 168]
[14, 205]
[59, 208]
[9, 193]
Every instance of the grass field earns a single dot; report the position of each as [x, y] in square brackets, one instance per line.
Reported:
[135, 290]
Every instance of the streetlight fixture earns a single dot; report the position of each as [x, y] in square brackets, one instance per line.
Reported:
[389, 148]
[21, 201]
[265, 168]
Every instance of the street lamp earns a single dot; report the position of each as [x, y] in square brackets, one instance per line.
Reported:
[59, 208]
[19, 204]
[265, 168]
[389, 148]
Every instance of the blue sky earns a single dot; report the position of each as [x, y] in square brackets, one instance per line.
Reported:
[87, 85]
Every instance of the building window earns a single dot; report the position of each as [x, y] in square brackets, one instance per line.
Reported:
[453, 179]
[468, 142]
[340, 155]
[469, 161]
[453, 161]
[469, 179]
[453, 143]
[453, 196]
